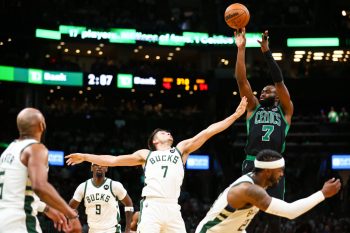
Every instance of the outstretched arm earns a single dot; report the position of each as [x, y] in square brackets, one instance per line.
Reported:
[134, 159]
[257, 196]
[277, 78]
[192, 144]
[241, 74]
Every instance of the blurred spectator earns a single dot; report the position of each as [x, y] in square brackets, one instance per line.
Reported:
[324, 117]
[343, 115]
[333, 116]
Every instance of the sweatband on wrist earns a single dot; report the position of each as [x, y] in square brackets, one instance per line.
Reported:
[129, 208]
[46, 209]
[292, 210]
[275, 70]
[74, 217]
[41, 206]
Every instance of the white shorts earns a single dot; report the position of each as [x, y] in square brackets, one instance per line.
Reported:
[160, 216]
[15, 221]
[110, 230]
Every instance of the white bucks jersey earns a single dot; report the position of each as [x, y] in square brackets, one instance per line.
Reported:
[223, 218]
[164, 173]
[16, 195]
[101, 203]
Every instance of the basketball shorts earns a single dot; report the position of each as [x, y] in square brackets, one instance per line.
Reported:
[109, 230]
[158, 215]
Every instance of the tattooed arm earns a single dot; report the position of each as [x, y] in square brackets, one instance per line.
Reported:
[247, 193]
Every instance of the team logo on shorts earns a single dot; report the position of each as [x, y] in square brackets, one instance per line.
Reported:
[106, 186]
[172, 150]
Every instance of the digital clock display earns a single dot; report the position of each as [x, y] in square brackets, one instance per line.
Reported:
[100, 80]
[136, 82]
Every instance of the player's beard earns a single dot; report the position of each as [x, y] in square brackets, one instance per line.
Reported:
[99, 174]
[268, 102]
[273, 181]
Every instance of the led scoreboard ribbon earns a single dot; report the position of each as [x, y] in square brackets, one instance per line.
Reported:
[187, 84]
[116, 81]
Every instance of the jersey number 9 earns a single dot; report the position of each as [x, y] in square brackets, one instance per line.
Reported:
[98, 209]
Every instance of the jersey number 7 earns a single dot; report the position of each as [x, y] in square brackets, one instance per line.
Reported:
[165, 171]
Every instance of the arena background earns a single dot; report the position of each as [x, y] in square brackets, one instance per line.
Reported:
[182, 87]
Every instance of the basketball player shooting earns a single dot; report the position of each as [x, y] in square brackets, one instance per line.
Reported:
[268, 118]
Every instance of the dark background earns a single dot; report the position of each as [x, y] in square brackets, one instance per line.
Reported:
[115, 121]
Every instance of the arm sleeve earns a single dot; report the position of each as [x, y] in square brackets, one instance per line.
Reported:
[295, 209]
[118, 190]
[275, 70]
[79, 193]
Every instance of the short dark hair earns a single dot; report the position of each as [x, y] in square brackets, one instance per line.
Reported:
[151, 136]
[267, 155]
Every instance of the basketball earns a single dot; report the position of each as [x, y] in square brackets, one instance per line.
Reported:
[237, 16]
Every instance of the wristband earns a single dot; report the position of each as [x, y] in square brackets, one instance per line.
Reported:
[129, 208]
[41, 206]
[46, 209]
[74, 217]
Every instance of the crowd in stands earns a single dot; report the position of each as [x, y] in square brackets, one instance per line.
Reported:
[165, 16]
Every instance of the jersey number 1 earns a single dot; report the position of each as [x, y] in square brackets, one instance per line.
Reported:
[269, 129]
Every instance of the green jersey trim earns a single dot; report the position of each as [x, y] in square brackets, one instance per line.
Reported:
[279, 107]
[248, 120]
[97, 186]
[178, 151]
[220, 217]
[85, 189]
[110, 189]
[149, 153]
[140, 214]
[250, 157]
[30, 218]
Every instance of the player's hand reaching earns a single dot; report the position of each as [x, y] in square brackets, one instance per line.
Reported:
[331, 187]
[59, 220]
[241, 107]
[264, 42]
[75, 226]
[240, 39]
[76, 158]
